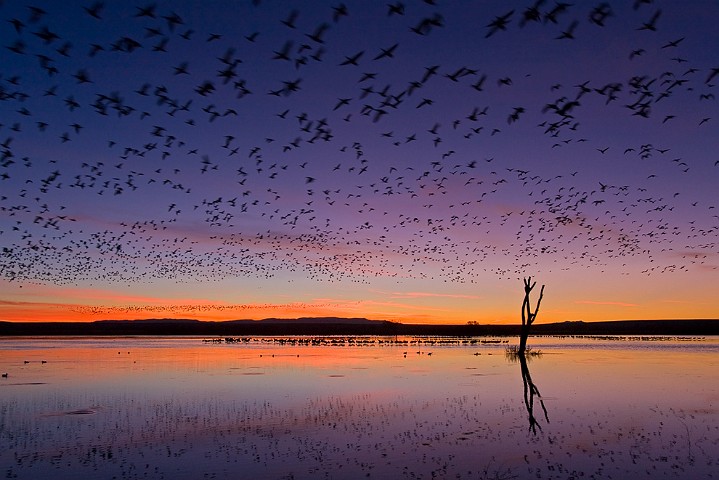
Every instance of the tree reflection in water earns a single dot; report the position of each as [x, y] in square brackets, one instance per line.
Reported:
[530, 389]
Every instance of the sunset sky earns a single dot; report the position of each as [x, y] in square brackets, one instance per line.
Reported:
[404, 160]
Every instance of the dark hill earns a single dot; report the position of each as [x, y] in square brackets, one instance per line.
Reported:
[350, 326]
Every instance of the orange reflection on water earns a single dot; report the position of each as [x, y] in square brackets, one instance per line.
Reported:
[280, 407]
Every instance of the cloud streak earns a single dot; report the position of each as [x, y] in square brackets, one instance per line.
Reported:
[616, 304]
[431, 295]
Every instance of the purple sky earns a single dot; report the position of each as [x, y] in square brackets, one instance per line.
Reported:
[232, 155]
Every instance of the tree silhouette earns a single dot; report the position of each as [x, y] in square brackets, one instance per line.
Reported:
[528, 316]
[520, 354]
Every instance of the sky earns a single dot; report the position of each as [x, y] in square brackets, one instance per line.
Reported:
[406, 160]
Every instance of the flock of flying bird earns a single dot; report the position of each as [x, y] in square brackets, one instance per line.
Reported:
[351, 140]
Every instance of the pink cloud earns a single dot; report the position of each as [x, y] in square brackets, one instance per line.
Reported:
[8, 303]
[430, 295]
[91, 295]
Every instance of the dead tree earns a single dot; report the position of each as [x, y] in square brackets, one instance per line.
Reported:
[528, 316]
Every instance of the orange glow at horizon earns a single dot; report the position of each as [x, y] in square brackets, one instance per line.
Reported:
[565, 299]
[59, 312]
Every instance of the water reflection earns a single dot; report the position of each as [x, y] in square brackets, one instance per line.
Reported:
[531, 390]
[293, 408]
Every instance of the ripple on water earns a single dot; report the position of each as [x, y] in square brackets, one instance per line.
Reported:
[73, 413]
[82, 411]
[22, 383]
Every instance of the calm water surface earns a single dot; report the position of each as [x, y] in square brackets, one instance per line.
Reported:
[289, 408]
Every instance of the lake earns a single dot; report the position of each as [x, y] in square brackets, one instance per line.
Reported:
[358, 407]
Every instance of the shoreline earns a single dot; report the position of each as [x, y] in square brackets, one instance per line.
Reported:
[324, 326]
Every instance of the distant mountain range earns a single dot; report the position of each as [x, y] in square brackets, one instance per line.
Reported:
[350, 326]
[313, 320]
